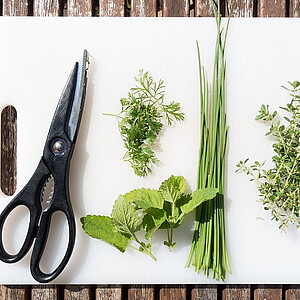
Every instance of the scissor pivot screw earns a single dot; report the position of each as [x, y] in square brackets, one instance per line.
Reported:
[58, 146]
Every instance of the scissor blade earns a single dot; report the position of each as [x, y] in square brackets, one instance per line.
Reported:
[79, 97]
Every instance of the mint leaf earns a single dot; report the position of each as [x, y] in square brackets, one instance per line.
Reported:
[197, 198]
[152, 221]
[173, 188]
[146, 198]
[101, 227]
[125, 217]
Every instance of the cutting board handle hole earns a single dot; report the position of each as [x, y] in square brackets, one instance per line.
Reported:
[9, 150]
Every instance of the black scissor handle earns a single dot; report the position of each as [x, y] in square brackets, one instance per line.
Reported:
[29, 196]
[41, 240]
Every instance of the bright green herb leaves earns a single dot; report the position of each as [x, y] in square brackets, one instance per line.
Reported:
[141, 120]
[279, 185]
[147, 210]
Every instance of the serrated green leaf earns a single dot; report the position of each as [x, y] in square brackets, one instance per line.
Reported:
[125, 217]
[152, 221]
[197, 198]
[173, 188]
[145, 198]
[102, 228]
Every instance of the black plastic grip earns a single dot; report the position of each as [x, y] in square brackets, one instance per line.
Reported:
[41, 241]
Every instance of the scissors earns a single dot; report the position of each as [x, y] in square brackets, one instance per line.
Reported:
[54, 163]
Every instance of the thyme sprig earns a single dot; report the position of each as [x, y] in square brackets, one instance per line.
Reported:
[141, 120]
[279, 186]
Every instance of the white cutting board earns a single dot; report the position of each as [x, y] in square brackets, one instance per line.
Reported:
[37, 55]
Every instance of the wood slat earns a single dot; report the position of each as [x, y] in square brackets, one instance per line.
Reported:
[268, 292]
[241, 292]
[292, 292]
[46, 8]
[295, 8]
[267, 8]
[14, 292]
[109, 292]
[175, 8]
[141, 292]
[207, 292]
[203, 8]
[79, 8]
[241, 8]
[15, 8]
[9, 150]
[143, 8]
[111, 8]
[78, 292]
[44, 292]
[170, 292]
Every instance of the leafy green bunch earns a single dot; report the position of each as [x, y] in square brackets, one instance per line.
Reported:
[146, 210]
[141, 120]
[279, 186]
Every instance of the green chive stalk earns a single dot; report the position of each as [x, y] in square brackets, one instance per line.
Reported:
[208, 250]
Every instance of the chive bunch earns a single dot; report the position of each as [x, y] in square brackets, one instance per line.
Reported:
[208, 250]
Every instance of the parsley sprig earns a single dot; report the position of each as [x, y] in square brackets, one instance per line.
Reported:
[141, 120]
[279, 185]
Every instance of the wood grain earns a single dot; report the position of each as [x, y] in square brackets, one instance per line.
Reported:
[141, 292]
[79, 8]
[203, 8]
[241, 292]
[241, 8]
[274, 8]
[111, 8]
[78, 292]
[109, 292]
[143, 8]
[292, 292]
[175, 8]
[14, 292]
[169, 292]
[9, 150]
[294, 8]
[15, 8]
[268, 292]
[207, 292]
[44, 292]
[46, 8]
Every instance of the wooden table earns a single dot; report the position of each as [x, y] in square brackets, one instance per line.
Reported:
[139, 8]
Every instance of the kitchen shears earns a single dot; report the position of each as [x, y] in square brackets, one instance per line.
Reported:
[54, 163]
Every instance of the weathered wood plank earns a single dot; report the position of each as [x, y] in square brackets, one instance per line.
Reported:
[268, 292]
[15, 8]
[14, 292]
[44, 292]
[46, 8]
[79, 8]
[141, 292]
[295, 8]
[111, 8]
[241, 8]
[109, 292]
[175, 8]
[275, 8]
[207, 292]
[78, 292]
[9, 150]
[143, 8]
[241, 292]
[292, 292]
[203, 8]
[178, 292]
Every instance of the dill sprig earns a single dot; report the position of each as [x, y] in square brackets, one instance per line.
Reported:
[141, 120]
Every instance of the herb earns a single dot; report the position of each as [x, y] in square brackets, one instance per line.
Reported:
[279, 185]
[141, 120]
[146, 210]
[208, 250]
